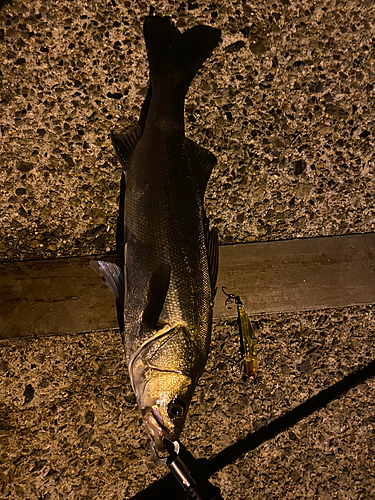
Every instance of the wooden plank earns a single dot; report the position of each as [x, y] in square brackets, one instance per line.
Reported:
[53, 297]
[61, 296]
[299, 275]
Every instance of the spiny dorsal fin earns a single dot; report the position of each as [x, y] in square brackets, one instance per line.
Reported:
[112, 276]
[124, 144]
[212, 246]
[202, 162]
[157, 292]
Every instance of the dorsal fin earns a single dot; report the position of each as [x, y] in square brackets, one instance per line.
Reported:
[145, 108]
[112, 276]
[120, 248]
[212, 246]
[124, 144]
[202, 162]
[157, 292]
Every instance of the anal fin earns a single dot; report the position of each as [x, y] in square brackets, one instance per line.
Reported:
[202, 162]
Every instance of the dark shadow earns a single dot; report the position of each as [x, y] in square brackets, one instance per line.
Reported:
[120, 230]
[120, 243]
[168, 488]
[5, 2]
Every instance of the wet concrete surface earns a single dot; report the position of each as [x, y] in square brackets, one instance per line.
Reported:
[286, 104]
[70, 427]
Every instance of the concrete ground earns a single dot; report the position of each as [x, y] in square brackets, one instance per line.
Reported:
[286, 105]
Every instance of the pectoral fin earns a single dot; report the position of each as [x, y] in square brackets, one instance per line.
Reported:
[157, 292]
[212, 246]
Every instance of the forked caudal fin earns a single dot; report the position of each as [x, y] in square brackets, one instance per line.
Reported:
[171, 52]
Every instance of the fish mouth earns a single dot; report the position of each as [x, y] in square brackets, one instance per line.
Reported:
[155, 426]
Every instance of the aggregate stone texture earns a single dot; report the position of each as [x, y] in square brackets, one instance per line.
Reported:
[70, 427]
[285, 103]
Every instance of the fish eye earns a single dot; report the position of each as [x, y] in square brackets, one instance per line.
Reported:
[176, 408]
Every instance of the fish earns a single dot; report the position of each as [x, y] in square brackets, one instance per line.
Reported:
[166, 286]
[248, 341]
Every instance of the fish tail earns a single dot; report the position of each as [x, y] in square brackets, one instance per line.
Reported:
[174, 56]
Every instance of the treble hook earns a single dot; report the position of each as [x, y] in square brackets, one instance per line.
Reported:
[232, 299]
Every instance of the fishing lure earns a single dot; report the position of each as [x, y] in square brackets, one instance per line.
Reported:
[248, 340]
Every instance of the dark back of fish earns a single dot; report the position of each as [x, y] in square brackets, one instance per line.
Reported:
[170, 255]
[167, 265]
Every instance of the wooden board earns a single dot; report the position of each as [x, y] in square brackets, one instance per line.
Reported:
[299, 275]
[53, 297]
[61, 296]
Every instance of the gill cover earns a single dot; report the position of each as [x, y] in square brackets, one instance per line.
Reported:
[164, 373]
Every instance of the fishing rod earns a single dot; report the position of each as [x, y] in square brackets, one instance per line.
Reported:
[195, 488]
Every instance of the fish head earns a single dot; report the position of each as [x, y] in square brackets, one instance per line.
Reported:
[164, 375]
[164, 406]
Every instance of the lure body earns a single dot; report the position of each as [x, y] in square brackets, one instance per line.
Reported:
[248, 342]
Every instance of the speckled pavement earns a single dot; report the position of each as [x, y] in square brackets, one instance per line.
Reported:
[286, 104]
[70, 427]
